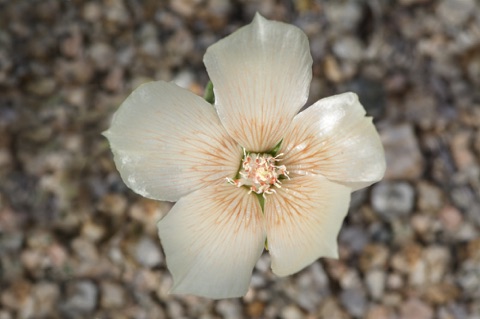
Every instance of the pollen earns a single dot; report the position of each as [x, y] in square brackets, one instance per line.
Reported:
[260, 173]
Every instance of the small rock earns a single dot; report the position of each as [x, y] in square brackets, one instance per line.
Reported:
[392, 200]
[456, 12]
[421, 108]
[113, 204]
[46, 296]
[395, 281]
[72, 45]
[451, 218]
[76, 72]
[255, 309]
[230, 309]
[379, 312]
[175, 309]
[468, 278]
[345, 15]
[441, 293]
[354, 237]
[403, 156]
[412, 2]
[350, 279]
[114, 80]
[415, 309]
[291, 312]
[147, 252]
[311, 287]
[430, 197]
[466, 232]
[348, 48]
[92, 11]
[185, 8]
[102, 55]
[113, 295]
[332, 69]
[148, 213]
[42, 87]
[354, 301]
[85, 250]
[373, 256]
[331, 310]
[422, 225]
[81, 298]
[10, 241]
[371, 94]
[461, 150]
[93, 231]
[437, 259]
[375, 281]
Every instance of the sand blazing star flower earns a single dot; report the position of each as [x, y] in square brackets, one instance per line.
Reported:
[249, 169]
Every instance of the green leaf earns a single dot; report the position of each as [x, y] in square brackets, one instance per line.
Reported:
[261, 200]
[275, 150]
[209, 96]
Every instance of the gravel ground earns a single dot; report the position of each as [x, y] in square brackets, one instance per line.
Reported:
[76, 243]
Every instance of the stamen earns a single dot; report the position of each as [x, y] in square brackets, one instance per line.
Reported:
[259, 172]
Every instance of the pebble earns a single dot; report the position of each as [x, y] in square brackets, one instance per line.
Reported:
[81, 298]
[46, 296]
[148, 253]
[113, 204]
[421, 109]
[468, 278]
[291, 312]
[430, 197]
[348, 48]
[93, 231]
[353, 237]
[415, 309]
[310, 288]
[438, 261]
[379, 312]
[373, 256]
[402, 153]
[456, 12]
[354, 301]
[392, 200]
[229, 309]
[345, 16]
[375, 282]
[148, 212]
[332, 310]
[112, 295]
[451, 218]
[461, 150]
[10, 241]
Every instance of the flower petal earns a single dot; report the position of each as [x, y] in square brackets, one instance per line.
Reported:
[261, 76]
[168, 142]
[303, 220]
[333, 138]
[212, 239]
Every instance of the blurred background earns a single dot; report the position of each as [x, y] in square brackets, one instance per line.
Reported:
[76, 243]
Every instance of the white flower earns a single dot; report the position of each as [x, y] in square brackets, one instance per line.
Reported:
[232, 191]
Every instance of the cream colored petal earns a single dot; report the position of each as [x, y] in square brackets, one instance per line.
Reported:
[261, 76]
[303, 220]
[333, 138]
[212, 239]
[168, 142]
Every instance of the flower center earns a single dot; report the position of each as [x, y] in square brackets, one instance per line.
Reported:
[260, 173]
